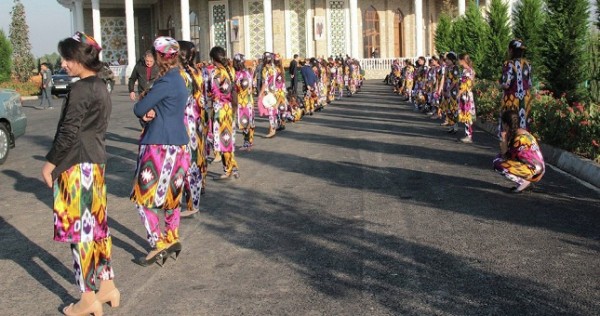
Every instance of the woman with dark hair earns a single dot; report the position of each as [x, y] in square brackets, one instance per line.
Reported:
[451, 86]
[195, 181]
[466, 102]
[220, 86]
[163, 159]
[245, 113]
[516, 83]
[75, 172]
[520, 159]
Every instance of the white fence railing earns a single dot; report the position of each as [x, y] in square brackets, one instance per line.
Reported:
[381, 63]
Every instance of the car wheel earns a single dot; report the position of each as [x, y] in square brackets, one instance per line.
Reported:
[4, 142]
[109, 86]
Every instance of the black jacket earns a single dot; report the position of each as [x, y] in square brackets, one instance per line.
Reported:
[80, 135]
[139, 74]
[293, 67]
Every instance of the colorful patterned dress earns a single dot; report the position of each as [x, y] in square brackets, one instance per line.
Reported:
[409, 76]
[193, 122]
[269, 75]
[79, 187]
[245, 115]
[466, 102]
[332, 73]
[523, 161]
[451, 93]
[340, 79]
[281, 95]
[516, 78]
[222, 83]
[420, 86]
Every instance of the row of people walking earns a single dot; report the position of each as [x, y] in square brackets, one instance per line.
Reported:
[187, 114]
[443, 89]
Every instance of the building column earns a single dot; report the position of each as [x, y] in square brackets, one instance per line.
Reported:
[310, 40]
[78, 15]
[96, 23]
[268, 13]
[130, 23]
[354, 29]
[419, 35]
[185, 20]
[462, 7]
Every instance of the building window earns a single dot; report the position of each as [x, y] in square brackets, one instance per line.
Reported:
[371, 32]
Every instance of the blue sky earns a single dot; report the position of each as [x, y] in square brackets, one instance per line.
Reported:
[48, 21]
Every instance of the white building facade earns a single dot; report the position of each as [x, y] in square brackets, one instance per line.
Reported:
[397, 28]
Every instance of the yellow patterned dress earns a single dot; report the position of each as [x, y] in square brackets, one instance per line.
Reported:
[221, 86]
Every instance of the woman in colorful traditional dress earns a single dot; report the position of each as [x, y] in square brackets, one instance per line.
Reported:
[440, 79]
[245, 113]
[267, 99]
[280, 93]
[332, 75]
[520, 159]
[516, 83]
[75, 172]
[193, 121]
[408, 82]
[451, 86]
[354, 76]
[466, 102]
[164, 158]
[222, 85]
[339, 63]
[419, 92]
[431, 86]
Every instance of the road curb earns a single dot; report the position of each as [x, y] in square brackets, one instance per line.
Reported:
[30, 98]
[581, 168]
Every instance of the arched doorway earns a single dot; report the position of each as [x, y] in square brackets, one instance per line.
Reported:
[398, 33]
[371, 39]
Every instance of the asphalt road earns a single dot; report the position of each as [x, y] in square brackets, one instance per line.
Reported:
[366, 208]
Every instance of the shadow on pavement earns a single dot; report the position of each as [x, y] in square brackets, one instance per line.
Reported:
[344, 258]
[18, 248]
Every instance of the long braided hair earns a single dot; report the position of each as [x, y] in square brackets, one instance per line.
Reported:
[511, 118]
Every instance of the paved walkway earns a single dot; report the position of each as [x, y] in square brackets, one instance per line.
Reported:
[366, 208]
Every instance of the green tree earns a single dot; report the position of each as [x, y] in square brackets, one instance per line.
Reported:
[565, 52]
[23, 61]
[528, 25]
[5, 57]
[598, 14]
[471, 35]
[499, 36]
[443, 34]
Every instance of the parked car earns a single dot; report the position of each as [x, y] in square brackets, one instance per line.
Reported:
[62, 81]
[13, 121]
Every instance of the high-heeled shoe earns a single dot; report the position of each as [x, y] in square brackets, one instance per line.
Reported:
[112, 298]
[174, 249]
[159, 258]
[94, 308]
